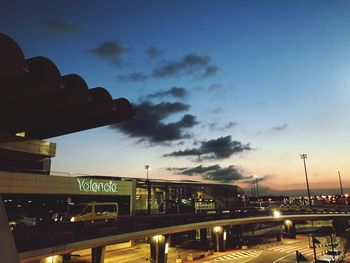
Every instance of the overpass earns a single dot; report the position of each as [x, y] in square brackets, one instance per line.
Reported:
[64, 239]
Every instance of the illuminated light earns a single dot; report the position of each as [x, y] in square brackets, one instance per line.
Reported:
[224, 236]
[166, 248]
[217, 229]
[92, 186]
[21, 134]
[276, 214]
[29, 201]
[346, 195]
[288, 222]
[72, 219]
[51, 259]
[226, 211]
[156, 238]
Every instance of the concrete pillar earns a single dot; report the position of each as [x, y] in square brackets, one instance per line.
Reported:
[8, 249]
[98, 254]
[289, 229]
[159, 249]
[203, 236]
[66, 258]
[218, 235]
[175, 239]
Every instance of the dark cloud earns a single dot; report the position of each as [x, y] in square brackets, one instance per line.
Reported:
[216, 127]
[59, 27]
[280, 128]
[213, 172]
[153, 52]
[110, 51]
[136, 76]
[219, 148]
[149, 122]
[188, 64]
[211, 71]
[176, 92]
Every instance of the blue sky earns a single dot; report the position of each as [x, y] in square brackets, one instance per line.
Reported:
[270, 78]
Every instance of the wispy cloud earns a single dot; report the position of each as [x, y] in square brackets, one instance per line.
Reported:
[176, 92]
[189, 64]
[280, 128]
[210, 71]
[216, 127]
[59, 27]
[111, 51]
[153, 52]
[135, 76]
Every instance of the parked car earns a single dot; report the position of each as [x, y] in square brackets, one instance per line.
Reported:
[20, 221]
[325, 259]
[336, 254]
[91, 212]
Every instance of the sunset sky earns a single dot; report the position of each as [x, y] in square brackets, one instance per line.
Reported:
[224, 90]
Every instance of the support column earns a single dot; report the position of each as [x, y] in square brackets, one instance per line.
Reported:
[8, 249]
[98, 254]
[203, 236]
[159, 249]
[289, 229]
[218, 235]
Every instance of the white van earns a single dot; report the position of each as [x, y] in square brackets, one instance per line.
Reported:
[324, 259]
[91, 212]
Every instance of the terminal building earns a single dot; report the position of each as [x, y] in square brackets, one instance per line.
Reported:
[38, 195]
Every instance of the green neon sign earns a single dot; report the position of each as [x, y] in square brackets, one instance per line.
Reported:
[93, 186]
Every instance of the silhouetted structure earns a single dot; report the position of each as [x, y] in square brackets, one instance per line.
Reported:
[37, 103]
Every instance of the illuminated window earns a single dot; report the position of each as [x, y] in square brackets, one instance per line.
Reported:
[21, 134]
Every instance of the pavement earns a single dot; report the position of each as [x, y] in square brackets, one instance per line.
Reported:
[267, 253]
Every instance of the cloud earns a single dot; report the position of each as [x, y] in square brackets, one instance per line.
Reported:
[176, 92]
[153, 52]
[280, 128]
[213, 172]
[216, 110]
[110, 51]
[215, 127]
[220, 148]
[211, 71]
[187, 65]
[149, 122]
[136, 76]
[59, 27]
[250, 179]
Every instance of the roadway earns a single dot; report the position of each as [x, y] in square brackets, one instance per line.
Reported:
[266, 253]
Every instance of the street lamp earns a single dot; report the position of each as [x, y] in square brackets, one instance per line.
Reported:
[256, 183]
[304, 156]
[149, 193]
[341, 185]
[147, 168]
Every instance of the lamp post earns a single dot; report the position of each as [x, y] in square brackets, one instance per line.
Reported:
[147, 168]
[304, 156]
[149, 193]
[256, 183]
[341, 185]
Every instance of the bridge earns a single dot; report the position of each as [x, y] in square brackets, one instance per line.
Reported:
[38, 242]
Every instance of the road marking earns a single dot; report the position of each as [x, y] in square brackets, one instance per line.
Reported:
[238, 255]
[280, 259]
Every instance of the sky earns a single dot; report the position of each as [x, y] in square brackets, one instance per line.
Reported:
[224, 90]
